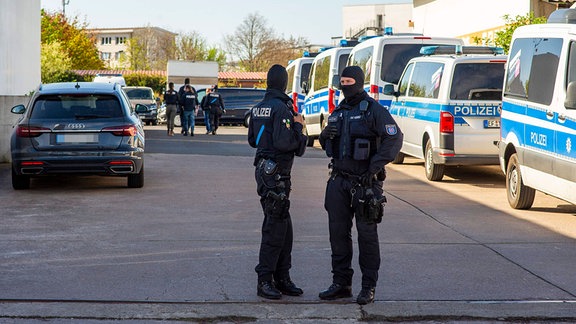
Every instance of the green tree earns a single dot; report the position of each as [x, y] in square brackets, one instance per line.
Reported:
[70, 33]
[54, 62]
[504, 37]
[193, 47]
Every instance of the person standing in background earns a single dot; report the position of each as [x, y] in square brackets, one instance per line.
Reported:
[171, 101]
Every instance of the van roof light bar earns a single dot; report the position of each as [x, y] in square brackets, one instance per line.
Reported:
[460, 50]
[562, 16]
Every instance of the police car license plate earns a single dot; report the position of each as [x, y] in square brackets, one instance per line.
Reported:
[492, 123]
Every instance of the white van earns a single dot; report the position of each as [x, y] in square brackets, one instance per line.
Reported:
[298, 73]
[448, 107]
[539, 111]
[110, 78]
[383, 59]
[322, 89]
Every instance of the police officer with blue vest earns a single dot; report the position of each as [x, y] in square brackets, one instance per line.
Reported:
[276, 133]
[361, 137]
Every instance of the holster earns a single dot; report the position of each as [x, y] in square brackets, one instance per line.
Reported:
[368, 207]
[271, 186]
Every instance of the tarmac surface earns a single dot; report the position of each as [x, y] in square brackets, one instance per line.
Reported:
[183, 248]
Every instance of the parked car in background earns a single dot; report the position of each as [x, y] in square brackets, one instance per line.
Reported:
[110, 78]
[236, 101]
[83, 128]
[144, 96]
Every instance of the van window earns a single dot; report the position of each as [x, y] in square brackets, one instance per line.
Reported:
[363, 59]
[426, 79]
[305, 73]
[571, 77]
[477, 81]
[394, 59]
[532, 68]
[405, 78]
[342, 63]
[321, 72]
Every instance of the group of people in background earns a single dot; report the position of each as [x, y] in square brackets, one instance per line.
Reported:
[185, 103]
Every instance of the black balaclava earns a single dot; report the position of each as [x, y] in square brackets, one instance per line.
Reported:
[353, 93]
[277, 78]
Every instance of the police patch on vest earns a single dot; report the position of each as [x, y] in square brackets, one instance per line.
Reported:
[391, 129]
[287, 123]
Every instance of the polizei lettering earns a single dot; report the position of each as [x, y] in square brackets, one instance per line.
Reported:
[261, 112]
[476, 110]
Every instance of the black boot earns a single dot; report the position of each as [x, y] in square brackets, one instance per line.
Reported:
[267, 290]
[365, 296]
[336, 291]
[287, 287]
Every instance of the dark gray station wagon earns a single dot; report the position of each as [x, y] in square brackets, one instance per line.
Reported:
[83, 128]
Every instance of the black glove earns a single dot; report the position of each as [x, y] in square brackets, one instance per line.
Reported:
[366, 179]
[329, 131]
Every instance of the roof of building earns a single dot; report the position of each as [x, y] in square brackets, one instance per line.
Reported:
[221, 75]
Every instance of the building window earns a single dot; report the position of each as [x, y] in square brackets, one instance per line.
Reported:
[106, 40]
[119, 55]
[105, 55]
[120, 40]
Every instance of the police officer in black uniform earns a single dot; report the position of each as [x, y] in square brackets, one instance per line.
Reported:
[215, 108]
[361, 137]
[171, 101]
[276, 133]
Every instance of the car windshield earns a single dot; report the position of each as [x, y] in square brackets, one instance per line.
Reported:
[139, 94]
[78, 106]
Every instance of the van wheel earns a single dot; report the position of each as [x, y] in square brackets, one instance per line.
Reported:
[136, 180]
[20, 182]
[399, 159]
[434, 172]
[519, 195]
[177, 121]
[247, 120]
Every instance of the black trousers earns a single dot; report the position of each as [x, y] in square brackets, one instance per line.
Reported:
[340, 214]
[275, 257]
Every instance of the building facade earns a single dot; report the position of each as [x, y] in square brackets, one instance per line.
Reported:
[370, 20]
[114, 43]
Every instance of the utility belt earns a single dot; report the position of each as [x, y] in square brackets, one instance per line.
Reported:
[274, 186]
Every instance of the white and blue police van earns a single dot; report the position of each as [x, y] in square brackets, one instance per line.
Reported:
[298, 73]
[538, 123]
[322, 89]
[448, 106]
[383, 59]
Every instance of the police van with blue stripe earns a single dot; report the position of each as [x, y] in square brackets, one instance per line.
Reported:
[538, 126]
[448, 106]
[383, 58]
[322, 89]
[298, 73]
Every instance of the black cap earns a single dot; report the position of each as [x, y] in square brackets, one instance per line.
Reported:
[277, 78]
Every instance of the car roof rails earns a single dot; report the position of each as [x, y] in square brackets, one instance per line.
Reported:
[460, 50]
[562, 16]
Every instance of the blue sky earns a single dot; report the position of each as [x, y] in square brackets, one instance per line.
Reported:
[317, 21]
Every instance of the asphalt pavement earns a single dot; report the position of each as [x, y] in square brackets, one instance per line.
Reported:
[184, 247]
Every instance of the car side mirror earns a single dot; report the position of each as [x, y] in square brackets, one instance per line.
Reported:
[336, 82]
[140, 108]
[389, 91]
[570, 101]
[20, 109]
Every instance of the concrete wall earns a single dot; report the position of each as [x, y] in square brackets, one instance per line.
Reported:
[19, 61]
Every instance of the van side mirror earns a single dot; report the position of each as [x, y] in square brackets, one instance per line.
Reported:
[140, 108]
[570, 101]
[335, 82]
[389, 91]
[305, 87]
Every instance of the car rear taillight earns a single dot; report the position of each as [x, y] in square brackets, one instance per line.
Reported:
[295, 101]
[331, 100]
[31, 131]
[374, 91]
[446, 122]
[31, 163]
[125, 130]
